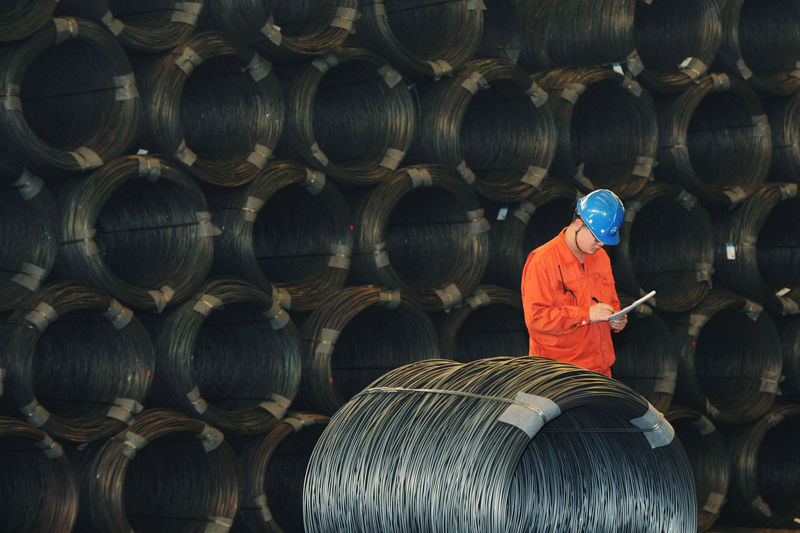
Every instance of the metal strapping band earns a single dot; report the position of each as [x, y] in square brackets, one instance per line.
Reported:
[206, 303]
[42, 316]
[315, 181]
[770, 381]
[87, 158]
[479, 298]
[187, 12]
[188, 60]
[658, 431]
[450, 296]
[687, 199]
[474, 82]
[530, 413]
[581, 178]
[51, 448]
[86, 238]
[788, 306]
[132, 443]
[466, 173]
[572, 91]
[796, 72]
[380, 255]
[325, 63]
[276, 405]
[478, 223]
[632, 86]
[124, 410]
[326, 341]
[538, 95]
[204, 226]
[344, 18]
[787, 190]
[666, 384]
[218, 524]
[11, 100]
[696, 323]
[524, 211]
[252, 207]
[644, 166]
[258, 67]
[693, 67]
[634, 63]
[126, 87]
[282, 296]
[184, 154]
[162, 297]
[389, 298]
[340, 256]
[149, 168]
[198, 403]
[473, 5]
[66, 28]
[743, 69]
[390, 75]
[704, 425]
[773, 419]
[119, 315]
[30, 276]
[704, 272]
[760, 126]
[298, 421]
[259, 156]
[392, 158]
[211, 438]
[440, 68]
[752, 310]
[714, 503]
[735, 195]
[277, 317]
[317, 154]
[261, 504]
[420, 177]
[35, 414]
[29, 185]
[762, 507]
[631, 209]
[114, 25]
[534, 176]
[721, 82]
[272, 32]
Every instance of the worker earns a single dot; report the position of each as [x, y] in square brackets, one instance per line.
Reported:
[568, 290]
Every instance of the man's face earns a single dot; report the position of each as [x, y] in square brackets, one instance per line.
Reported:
[586, 239]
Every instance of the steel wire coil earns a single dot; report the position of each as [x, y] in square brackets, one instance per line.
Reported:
[789, 329]
[435, 446]
[730, 358]
[146, 25]
[165, 472]
[421, 38]
[714, 140]
[757, 248]
[607, 132]
[356, 335]
[138, 228]
[70, 98]
[491, 123]
[21, 18]
[709, 458]
[504, 31]
[667, 244]
[79, 363]
[39, 493]
[783, 114]
[761, 43]
[273, 468]
[423, 231]
[229, 355]
[214, 105]
[348, 114]
[290, 228]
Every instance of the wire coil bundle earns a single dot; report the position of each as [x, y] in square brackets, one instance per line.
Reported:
[708, 456]
[39, 493]
[356, 335]
[490, 122]
[757, 248]
[79, 363]
[166, 472]
[90, 115]
[423, 212]
[138, 228]
[273, 468]
[498, 445]
[730, 358]
[790, 335]
[783, 114]
[503, 31]
[667, 244]
[215, 106]
[607, 132]
[714, 140]
[270, 239]
[230, 355]
[20, 18]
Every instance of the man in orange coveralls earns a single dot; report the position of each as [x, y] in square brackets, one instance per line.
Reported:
[568, 289]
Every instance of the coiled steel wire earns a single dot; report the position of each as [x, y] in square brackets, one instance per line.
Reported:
[491, 123]
[79, 363]
[757, 248]
[138, 228]
[39, 493]
[348, 114]
[790, 336]
[165, 472]
[714, 140]
[356, 335]
[504, 31]
[21, 18]
[213, 105]
[290, 228]
[730, 358]
[783, 113]
[607, 132]
[504, 444]
[423, 231]
[229, 355]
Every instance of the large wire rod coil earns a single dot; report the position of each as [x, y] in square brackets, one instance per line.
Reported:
[499, 445]
[21, 18]
[273, 468]
[757, 248]
[138, 228]
[70, 100]
[491, 123]
[165, 472]
[39, 493]
[79, 363]
[150, 26]
[356, 335]
[783, 113]
[709, 458]
[730, 358]
[607, 132]
[714, 140]
[229, 355]
[290, 228]
[423, 231]
[667, 244]
[215, 106]
[504, 30]
[790, 335]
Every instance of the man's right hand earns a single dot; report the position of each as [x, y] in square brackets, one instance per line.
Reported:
[600, 312]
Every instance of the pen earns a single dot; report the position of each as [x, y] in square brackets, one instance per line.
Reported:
[595, 299]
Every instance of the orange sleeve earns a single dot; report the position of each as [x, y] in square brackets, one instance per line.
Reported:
[543, 314]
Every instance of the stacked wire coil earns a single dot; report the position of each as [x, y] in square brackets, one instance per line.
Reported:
[783, 113]
[790, 336]
[504, 31]
[21, 18]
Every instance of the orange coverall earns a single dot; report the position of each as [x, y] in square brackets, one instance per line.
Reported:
[557, 310]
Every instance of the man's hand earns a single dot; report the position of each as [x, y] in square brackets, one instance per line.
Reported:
[599, 312]
[618, 324]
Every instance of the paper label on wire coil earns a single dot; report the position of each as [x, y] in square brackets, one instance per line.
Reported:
[298, 421]
[276, 405]
[761, 506]
[317, 154]
[259, 156]
[162, 297]
[340, 256]
[252, 207]
[665, 384]
[390, 75]
[204, 226]
[465, 172]
[344, 18]
[392, 158]
[530, 413]
[572, 91]
[704, 425]
[51, 448]
[696, 323]
[278, 318]
[315, 182]
[187, 12]
[206, 303]
[126, 87]
[538, 95]
[86, 158]
[770, 382]
[743, 69]
[124, 410]
[389, 298]
[218, 524]
[450, 296]
[210, 437]
[502, 213]
[787, 190]
[133, 443]
[634, 63]
[326, 341]
[325, 63]
[272, 32]
[66, 28]
[752, 310]
[440, 68]
[184, 154]
[657, 430]
[730, 252]
[788, 306]
[761, 126]
[644, 166]
[479, 298]
[261, 505]
[714, 503]
[693, 67]
[720, 82]
[29, 185]
[534, 176]
[687, 199]
[30, 276]
[735, 195]
[35, 414]
[42, 316]
[420, 177]
[632, 86]
[524, 212]
[198, 403]
[380, 255]
[258, 67]
[581, 178]
[474, 82]
[119, 315]
[149, 168]
[704, 272]
[188, 60]
[114, 25]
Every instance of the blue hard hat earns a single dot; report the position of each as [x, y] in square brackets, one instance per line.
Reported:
[602, 211]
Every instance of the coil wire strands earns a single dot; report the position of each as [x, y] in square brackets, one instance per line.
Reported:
[356, 335]
[490, 122]
[138, 228]
[270, 239]
[230, 355]
[503, 31]
[714, 140]
[90, 115]
[273, 467]
[215, 106]
[423, 212]
[790, 335]
[39, 493]
[709, 458]
[498, 445]
[607, 132]
[21, 18]
[667, 244]
[166, 472]
[783, 114]
[79, 363]
[730, 358]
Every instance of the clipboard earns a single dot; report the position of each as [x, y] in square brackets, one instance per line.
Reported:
[638, 302]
